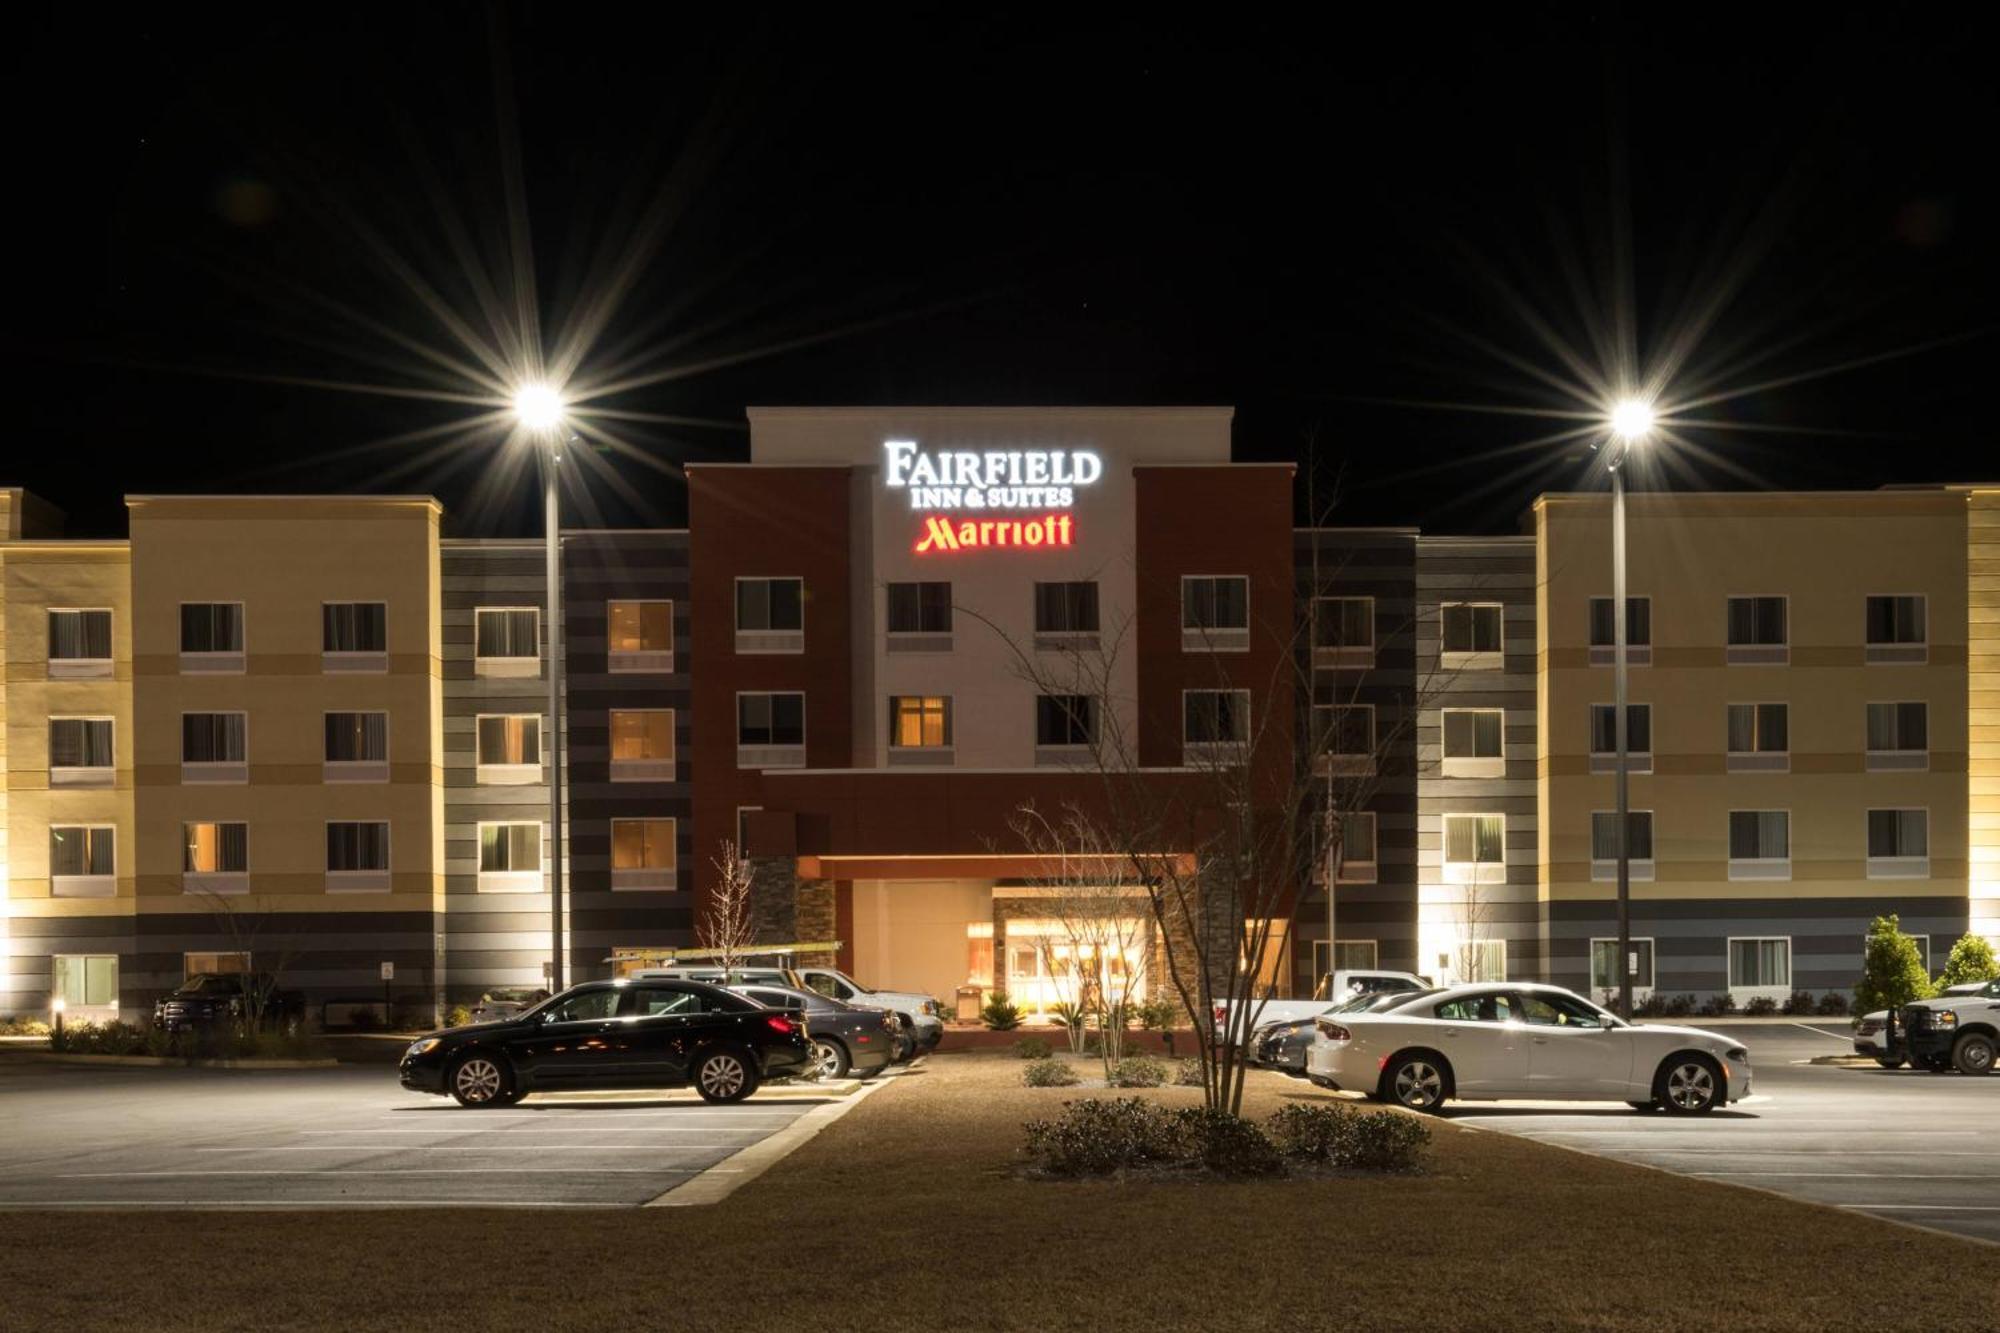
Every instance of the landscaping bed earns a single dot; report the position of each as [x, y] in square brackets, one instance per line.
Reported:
[916, 1212]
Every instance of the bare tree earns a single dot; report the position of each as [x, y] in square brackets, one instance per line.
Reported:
[725, 925]
[244, 923]
[1103, 950]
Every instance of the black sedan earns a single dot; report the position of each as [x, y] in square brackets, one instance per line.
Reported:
[614, 1034]
[845, 1038]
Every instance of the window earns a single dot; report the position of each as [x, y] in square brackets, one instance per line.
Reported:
[83, 861]
[1478, 1009]
[211, 636]
[215, 741]
[1346, 737]
[743, 813]
[1761, 964]
[1760, 844]
[1757, 631]
[1065, 719]
[1474, 842]
[919, 722]
[1355, 863]
[1482, 960]
[919, 608]
[644, 853]
[354, 636]
[770, 719]
[1899, 844]
[1472, 634]
[1474, 743]
[507, 640]
[770, 615]
[357, 747]
[215, 857]
[1552, 1009]
[507, 747]
[642, 745]
[510, 858]
[1344, 631]
[79, 643]
[214, 964]
[357, 856]
[1898, 736]
[1638, 738]
[1896, 629]
[83, 981]
[639, 636]
[1604, 844]
[1759, 738]
[1604, 965]
[1215, 612]
[80, 753]
[1215, 717]
[1065, 608]
[591, 1006]
[1349, 955]
[1638, 631]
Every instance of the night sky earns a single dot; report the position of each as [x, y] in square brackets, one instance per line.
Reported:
[1329, 227]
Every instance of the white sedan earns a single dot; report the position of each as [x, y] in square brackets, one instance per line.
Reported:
[1521, 1039]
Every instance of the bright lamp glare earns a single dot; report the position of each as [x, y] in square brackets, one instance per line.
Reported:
[538, 406]
[1631, 419]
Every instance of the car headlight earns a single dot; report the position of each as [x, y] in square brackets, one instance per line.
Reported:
[422, 1046]
[1947, 1018]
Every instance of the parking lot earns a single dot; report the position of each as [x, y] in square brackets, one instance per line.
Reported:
[1916, 1147]
[350, 1137]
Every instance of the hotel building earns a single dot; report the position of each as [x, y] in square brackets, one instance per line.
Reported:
[310, 734]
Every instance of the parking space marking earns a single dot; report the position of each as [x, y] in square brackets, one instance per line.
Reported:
[404, 1171]
[1846, 1175]
[1923, 1207]
[522, 1133]
[439, 1147]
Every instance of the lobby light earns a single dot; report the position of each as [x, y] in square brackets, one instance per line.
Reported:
[538, 406]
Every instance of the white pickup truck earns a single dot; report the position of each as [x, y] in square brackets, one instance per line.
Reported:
[1347, 983]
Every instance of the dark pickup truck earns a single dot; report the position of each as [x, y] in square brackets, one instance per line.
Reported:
[208, 999]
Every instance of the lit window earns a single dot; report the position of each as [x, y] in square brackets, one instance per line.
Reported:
[82, 860]
[509, 740]
[919, 721]
[1475, 839]
[643, 854]
[84, 980]
[639, 636]
[642, 744]
[215, 849]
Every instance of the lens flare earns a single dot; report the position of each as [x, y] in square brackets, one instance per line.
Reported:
[538, 406]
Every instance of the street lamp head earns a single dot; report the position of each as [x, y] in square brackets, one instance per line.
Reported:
[1632, 420]
[538, 407]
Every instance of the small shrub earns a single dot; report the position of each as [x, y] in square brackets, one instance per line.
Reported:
[1718, 1005]
[1068, 1016]
[1800, 1002]
[1680, 1006]
[1049, 1072]
[1139, 1071]
[1158, 1015]
[1341, 1136]
[457, 1016]
[361, 1018]
[23, 1025]
[1094, 1137]
[1971, 959]
[1228, 1144]
[1653, 1006]
[1892, 971]
[1032, 1048]
[1833, 1003]
[1761, 1007]
[1187, 1073]
[1000, 1013]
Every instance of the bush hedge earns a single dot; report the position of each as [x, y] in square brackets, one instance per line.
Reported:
[1049, 1072]
[1138, 1071]
[1338, 1135]
[217, 1043]
[1094, 1137]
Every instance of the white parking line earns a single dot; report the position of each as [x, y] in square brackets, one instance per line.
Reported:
[1845, 1175]
[404, 1171]
[1923, 1207]
[281, 1205]
[441, 1147]
[522, 1134]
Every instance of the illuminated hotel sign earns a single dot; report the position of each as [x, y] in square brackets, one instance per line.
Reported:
[990, 478]
[956, 480]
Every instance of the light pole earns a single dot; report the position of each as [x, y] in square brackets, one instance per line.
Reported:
[1631, 421]
[539, 409]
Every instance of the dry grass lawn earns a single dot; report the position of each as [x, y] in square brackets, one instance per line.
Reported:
[906, 1215]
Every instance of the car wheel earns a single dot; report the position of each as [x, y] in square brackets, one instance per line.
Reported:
[1889, 1061]
[724, 1075]
[906, 1040]
[480, 1080]
[1973, 1054]
[829, 1058]
[1690, 1085]
[1416, 1082]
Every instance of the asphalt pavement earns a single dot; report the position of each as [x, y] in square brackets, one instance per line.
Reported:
[1902, 1144]
[350, 1137]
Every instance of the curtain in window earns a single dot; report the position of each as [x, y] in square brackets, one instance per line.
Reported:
[1895, 620]
[80, 743]
[362, 846]
[357, 737]
[79, 635]
[1357, 837]
[78, 850]
[354, 627]
[211, 627]
[1760, 962]
[508, 847]
[508, 633]
[1474, 838]
[1898, 833]
[217, 849]
[512, 739]
[1472, 734]
[1756, 835]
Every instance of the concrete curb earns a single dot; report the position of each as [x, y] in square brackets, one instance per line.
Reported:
[167, 1062]
[723, 1179]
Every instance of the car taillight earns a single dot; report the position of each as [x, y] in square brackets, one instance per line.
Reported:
[779, 1023]
[1333, 1031]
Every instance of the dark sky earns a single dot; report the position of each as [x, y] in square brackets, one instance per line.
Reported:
[1317, 224]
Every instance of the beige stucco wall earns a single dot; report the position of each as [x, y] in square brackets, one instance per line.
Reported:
[909, 935]
[1689, 554]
